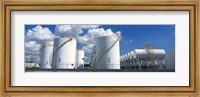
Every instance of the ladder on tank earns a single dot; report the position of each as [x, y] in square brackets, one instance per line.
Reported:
[106, 49]
[42, 48]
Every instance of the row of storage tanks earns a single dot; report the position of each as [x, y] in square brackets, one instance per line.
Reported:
[106, 54]
[62, 55]
[142, 55]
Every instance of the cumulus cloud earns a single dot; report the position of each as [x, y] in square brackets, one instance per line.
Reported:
[92, 34]
[32, 58]
[32, 51]
[39, 34]
[34, 38]
[100, 32]
[88, 48]
[90, 37]
[76, 30]
[89, 26]
[68, 30]
[32, 45]
[71, 30]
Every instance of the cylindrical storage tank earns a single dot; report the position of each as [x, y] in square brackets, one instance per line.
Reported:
[107, 52]
[157, 53]
[148, 54]
[122, 57]
[80, 59]
[131, 55]
[140, 54]
[126, 57]
[64, 53]
[46, 50]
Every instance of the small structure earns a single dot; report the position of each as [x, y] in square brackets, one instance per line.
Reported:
[79, 59]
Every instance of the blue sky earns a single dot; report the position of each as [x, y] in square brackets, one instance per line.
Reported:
[133, 36]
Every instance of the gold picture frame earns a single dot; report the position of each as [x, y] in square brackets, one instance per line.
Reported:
[119, 5]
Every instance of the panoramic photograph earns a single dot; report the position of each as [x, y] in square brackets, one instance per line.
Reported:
[99, 48]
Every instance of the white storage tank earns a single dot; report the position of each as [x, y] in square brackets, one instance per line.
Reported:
[157, 53]
[147, 54]
[80, 59]
[64, 53]
[131, 55]
[126, 57]
[123, 58]
[107, 52]
[45, 63]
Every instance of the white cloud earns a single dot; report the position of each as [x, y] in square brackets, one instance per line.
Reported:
[92, 34]
[88, 48]
[86, 39]
[68, 30]
[39, 34]
[34, 39]
[32, 45]
[89, 26]
[90, 37]
[71, 30]
[32, 51]
[98, 32]
[33, 58]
